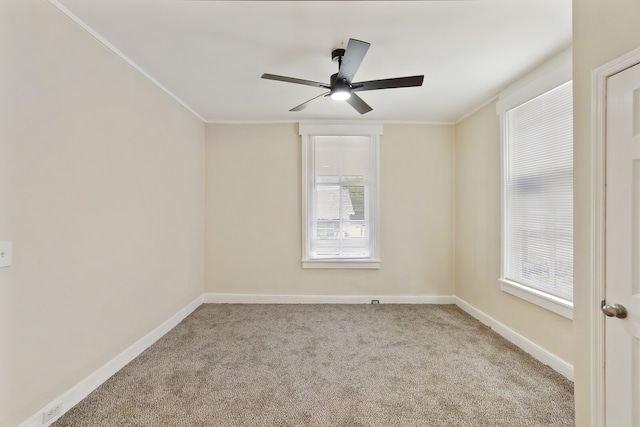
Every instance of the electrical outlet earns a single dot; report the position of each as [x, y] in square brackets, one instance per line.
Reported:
[6, 254]
[52, 412]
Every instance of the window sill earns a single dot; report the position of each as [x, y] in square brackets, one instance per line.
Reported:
[550, 302]
[371, 264]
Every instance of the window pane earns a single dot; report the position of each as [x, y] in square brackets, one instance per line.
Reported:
[328, 229]
[341, 177]
[356, 201]
[354, 230]
[327, 202]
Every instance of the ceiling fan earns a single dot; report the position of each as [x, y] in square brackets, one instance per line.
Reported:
[342, 87]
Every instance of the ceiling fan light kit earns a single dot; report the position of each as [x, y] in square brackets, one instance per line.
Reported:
[342, 87]
[340, 95]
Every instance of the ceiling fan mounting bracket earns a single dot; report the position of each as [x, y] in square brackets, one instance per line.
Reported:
[337, 54]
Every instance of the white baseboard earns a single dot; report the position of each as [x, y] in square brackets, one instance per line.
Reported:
[213, 298]
[549, 359]
[74, 395]
[81, 390]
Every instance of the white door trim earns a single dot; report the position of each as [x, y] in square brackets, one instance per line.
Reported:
[597, 289]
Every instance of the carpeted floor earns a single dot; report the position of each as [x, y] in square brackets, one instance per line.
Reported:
[330, 365]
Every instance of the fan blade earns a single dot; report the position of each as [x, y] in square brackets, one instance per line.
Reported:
[388, 83]
[353, 56]
[294, 80]
[305, 104]
[356, 102]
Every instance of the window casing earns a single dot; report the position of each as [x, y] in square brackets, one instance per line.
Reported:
[537, 195]
[340, 195]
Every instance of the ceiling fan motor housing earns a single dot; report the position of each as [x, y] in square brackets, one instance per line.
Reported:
[335, 81]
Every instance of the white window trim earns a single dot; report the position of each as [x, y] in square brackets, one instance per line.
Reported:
[373, 130]
[548, 76]
[550, 302]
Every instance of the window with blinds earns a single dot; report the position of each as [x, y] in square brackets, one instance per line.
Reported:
[340, 195]
[538, 193]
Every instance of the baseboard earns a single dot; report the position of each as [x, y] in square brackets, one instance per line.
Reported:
[74, 395]
[214, 298]
[530, 347]
[81, 390]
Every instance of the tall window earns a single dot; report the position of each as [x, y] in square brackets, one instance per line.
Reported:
[340, 196]
[538, 198]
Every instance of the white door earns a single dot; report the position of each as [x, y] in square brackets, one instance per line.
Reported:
[622, 286]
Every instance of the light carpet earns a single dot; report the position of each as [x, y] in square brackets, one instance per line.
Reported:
[330, 365]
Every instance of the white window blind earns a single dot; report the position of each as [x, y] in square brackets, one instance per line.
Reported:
[341, 196]
[538, 193]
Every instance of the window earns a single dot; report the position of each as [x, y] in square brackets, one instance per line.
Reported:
[340, 195]
[537, 189]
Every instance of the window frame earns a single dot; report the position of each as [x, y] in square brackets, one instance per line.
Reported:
[309, 130]
[547, 77]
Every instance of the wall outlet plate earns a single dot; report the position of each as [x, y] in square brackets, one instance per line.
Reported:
[6, 254]
[52, 411]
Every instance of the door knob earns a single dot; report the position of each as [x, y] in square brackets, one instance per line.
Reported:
[615, 310]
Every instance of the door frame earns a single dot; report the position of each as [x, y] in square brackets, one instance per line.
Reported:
[599, 78]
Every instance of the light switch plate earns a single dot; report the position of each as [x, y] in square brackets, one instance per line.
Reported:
[6, 254]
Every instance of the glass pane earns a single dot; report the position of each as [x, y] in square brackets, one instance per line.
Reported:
[352, 179]
[328, 229]
[354, 230]
[355, 242]
[355, 196]
[340, 200]
[327, 202]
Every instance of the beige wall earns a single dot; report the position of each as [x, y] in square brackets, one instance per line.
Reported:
[602, 31]
[253, 237]
[102, 194]
[478, 238]
[102, 191]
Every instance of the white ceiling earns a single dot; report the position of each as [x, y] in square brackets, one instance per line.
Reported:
[210, 54]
